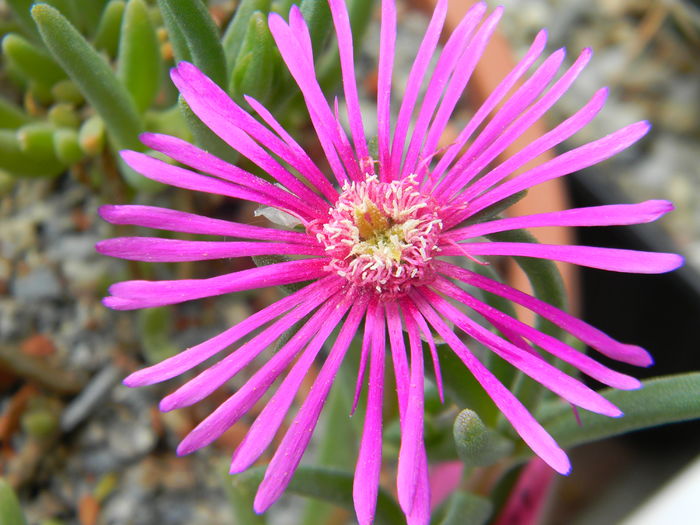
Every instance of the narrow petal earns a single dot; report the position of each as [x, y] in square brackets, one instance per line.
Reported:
[268, 422]
[385, 70]
[569, 162]
[341, 21]
[300, 65]
[216, 375]
[369, 460]
[458, 82]
[510, 111]
[243, 400]
[610, 215]
[413, 85]
[154, 249]
[289, 453]
[551, 344]
[611, 259]
[412, 426]
[194, 157]
[398, 355]
[420, 509]
[364, 354]
[179, 221]
[304, 163]
[547, 375]
[313, 295]
[181, 178]
[216, 109]
[590, 335]
[529, 116]
[493, 100]
[428, 337]
[534, 149]
[525, 425]
[453, 58]
[147, 294]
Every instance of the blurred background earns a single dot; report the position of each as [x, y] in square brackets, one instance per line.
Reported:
[79, 448]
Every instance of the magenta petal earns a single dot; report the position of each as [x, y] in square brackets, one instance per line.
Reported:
[369, 460]
[179, 221]
[547, 375]
[489, 104]
[569, 162]
[412, 424]
[265, 426]
[216, 375]
[243, 400]
[181, 178]
[154, 249]
[295, 441]
[223, 116]
[147, 294]
[398, 355]
[385, 69]
[611, 259]
[343, 31]
[515, 328]
[611, 215]
[314, 293]
[415, 79]
[300, 66]
[527, 427]
[453, 65]
[590, 335]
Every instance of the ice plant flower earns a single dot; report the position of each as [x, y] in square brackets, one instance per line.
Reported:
[373, 238]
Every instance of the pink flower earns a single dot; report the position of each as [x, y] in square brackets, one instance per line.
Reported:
[374, 236]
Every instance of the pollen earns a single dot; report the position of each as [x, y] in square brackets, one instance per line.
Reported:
[382, 236]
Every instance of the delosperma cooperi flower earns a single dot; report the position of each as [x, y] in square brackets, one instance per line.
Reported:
[377, 239]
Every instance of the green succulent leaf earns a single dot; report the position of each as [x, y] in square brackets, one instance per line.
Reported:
[139, 65]
[191, 20]
[10, 510]
[18, 163]
[92, 75]
[661, 400]
[12, 116]
[254, 69]
[238, 27]
[31, 61]
[476, 444]
[66, 146]
[464, 508]
[109, 28]
[21, 9]
[332, 486]
[318, 18]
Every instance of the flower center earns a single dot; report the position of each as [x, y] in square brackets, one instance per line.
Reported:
[382, 235]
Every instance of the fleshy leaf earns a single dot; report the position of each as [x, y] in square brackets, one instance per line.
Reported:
[476, 444]
[661, 400]
[238, 27]
[254, 69]
[12, 116]
[333, 486]
[10, 510]
[109, 28]
[199, 33]
[32, 62]
[465, 507]
[139, 62]
[92, 75]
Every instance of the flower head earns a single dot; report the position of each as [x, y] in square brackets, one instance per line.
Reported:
[378, 244]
